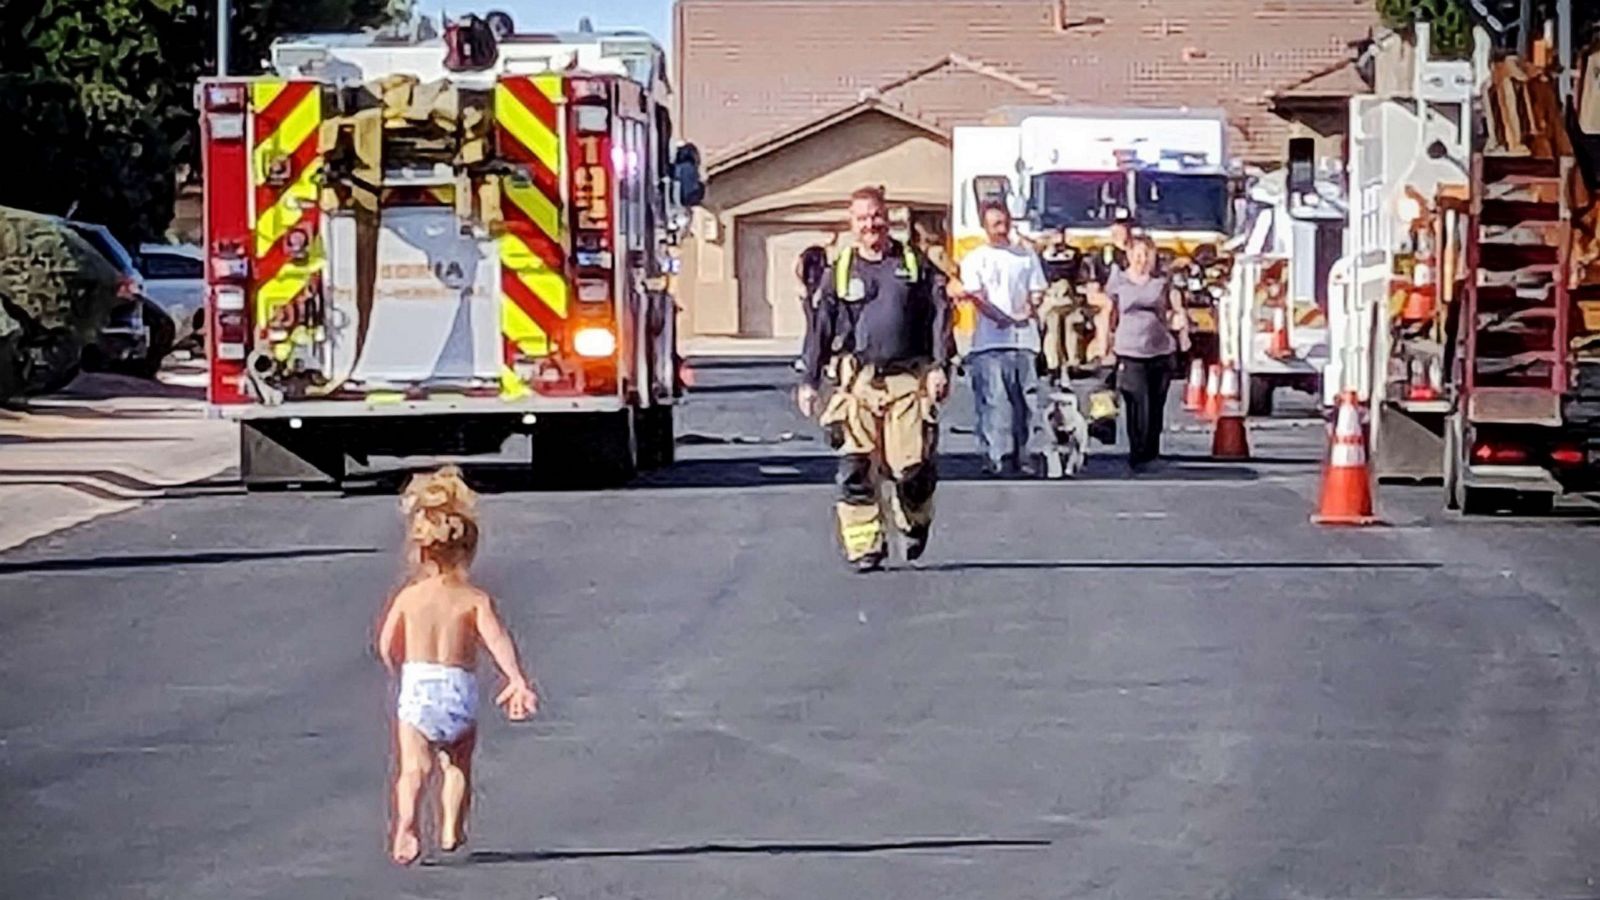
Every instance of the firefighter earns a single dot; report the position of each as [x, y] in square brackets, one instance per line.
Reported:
[883, 310]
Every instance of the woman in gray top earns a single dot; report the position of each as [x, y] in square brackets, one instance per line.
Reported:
[1149, 328]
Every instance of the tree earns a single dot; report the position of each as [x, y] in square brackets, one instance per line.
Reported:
[102, 93]
[1450, 26]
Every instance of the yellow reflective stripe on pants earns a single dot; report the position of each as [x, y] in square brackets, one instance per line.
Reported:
[860, 530]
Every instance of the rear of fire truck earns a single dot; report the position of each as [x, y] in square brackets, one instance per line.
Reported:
[407, 259]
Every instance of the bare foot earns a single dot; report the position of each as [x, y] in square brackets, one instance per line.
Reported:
[406, 847]
[449, 842]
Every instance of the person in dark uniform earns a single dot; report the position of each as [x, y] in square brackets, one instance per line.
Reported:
[883, 310]
[808, 270]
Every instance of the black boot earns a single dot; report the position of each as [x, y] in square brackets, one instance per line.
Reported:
[872, 562]
[916, 542]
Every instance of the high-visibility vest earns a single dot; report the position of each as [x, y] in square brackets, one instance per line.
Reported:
[841, 269]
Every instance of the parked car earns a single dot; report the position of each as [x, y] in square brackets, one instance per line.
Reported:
[57, 293]
[140, 334]
[175, 279]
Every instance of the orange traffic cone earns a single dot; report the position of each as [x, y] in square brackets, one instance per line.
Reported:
[1419, 305]
[1279, 348]
[1194, 393]
[1230, 439]
[1346, 484]
[1213, 403]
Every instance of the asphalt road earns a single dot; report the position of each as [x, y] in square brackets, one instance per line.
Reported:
[1165, 687]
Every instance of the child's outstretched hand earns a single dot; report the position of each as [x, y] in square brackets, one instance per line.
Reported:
[519, 700]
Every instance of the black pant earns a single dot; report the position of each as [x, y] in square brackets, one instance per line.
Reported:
[1143, 384]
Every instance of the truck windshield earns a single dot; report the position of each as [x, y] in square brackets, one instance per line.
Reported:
[1179, 200]
[1078, 199]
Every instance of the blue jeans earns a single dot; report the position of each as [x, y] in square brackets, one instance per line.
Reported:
[1005, 385]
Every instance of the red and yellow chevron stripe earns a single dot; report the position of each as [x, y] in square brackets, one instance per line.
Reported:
[533, 248]
[285, 158]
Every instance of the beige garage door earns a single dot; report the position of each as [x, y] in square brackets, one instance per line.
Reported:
[769, 294]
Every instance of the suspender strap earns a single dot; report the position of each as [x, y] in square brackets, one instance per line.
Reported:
[841, 268]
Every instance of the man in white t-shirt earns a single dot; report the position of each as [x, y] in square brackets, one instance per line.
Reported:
[1006, 284]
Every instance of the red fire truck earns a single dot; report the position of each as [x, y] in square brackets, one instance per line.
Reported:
[412, 255]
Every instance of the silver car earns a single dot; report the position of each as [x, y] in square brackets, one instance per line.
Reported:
[175, 280]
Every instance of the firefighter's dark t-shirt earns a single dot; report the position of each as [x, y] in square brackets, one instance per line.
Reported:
[1102, 264]
[887, 319]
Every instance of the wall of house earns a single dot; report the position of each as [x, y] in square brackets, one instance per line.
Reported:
[786, 199]
[1325, 122]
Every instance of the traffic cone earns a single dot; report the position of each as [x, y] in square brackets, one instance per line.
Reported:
[1194, 393]
[1230, 439]
[1213, 404]
[1419, 305]
[1346, 484]
[1279, 348]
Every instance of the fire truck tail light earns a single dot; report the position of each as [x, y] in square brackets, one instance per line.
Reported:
[231, 334]
[1499, 454]
[593, 119]
[224, 268]
[594, 343]
[593, 291]
[1567, 456]
[226, 126]
[224, 97]
[230, 299]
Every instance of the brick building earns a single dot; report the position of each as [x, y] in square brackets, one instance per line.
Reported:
[795, 102]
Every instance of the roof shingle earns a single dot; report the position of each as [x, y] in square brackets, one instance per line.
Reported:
[748, 68]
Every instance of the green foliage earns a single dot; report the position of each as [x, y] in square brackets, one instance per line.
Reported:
[1448, 19]
[102, 93]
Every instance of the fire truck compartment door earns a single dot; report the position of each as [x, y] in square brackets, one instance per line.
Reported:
[435, 307]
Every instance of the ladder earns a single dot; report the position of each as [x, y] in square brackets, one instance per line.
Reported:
[1517, 316]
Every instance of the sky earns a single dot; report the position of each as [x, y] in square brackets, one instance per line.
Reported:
[654, 16]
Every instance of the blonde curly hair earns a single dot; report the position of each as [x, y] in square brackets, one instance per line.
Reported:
[441, 518]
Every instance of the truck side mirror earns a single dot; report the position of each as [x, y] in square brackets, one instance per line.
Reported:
[1017, 206]
[686, 174]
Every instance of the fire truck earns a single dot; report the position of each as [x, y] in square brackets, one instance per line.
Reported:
[429, 245]
[1068, 174]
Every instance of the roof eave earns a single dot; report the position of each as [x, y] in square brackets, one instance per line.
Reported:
[799, 133]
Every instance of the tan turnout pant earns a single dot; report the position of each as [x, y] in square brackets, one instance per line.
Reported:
[882, 426]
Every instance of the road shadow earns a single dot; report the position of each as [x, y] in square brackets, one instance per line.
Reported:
[759, 849]
[64, 410]
[1101, 467]
[105, 386]
[16, 440]
[738, 387]
[161, 560]
[742, 472]
[720, 363]
[112, 484]
[1183, 565]
[1254, 460]
[775, 469]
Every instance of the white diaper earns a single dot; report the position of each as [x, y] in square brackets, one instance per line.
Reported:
[439, 701]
